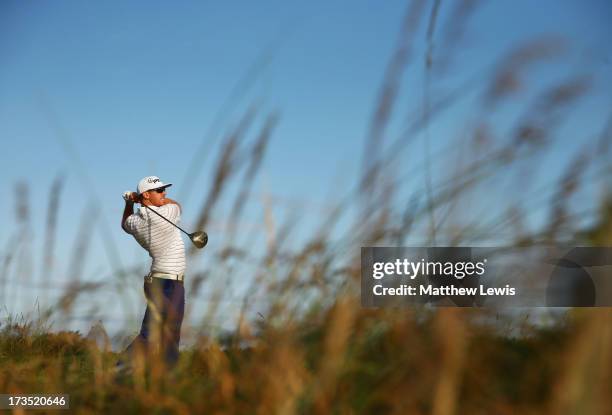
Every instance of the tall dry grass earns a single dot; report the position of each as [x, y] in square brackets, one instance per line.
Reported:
[303, 343]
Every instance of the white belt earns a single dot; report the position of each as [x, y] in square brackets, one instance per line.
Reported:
[163, 275]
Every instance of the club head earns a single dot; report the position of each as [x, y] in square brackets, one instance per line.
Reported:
[199, 239]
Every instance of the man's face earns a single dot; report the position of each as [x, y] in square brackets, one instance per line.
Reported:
[155, 197]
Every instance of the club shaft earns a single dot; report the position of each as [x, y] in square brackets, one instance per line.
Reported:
[169, 221]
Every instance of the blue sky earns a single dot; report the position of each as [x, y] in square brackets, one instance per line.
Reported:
[136, 86]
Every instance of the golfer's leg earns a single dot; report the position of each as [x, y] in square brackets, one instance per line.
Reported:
[143, 336]
[156, 306]
[175, 309]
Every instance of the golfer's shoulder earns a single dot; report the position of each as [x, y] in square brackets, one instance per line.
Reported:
[170, 209]
[134, 218]
[132, 223]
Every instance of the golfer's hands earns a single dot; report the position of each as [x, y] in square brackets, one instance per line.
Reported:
[131, 197]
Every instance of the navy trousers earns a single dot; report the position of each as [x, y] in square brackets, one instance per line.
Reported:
[161, 325]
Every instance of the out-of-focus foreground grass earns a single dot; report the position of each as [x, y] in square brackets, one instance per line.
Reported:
[317, 350]
[340, 360]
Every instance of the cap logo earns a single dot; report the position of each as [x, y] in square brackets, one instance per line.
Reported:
[152, 180]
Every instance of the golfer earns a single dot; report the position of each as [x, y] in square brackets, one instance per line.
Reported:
[160, 332]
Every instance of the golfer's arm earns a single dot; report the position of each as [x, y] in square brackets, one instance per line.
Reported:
[127, 211]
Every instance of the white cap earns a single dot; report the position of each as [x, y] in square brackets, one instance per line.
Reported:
[150, 183]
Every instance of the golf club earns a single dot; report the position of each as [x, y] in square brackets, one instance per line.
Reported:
[199, 238]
